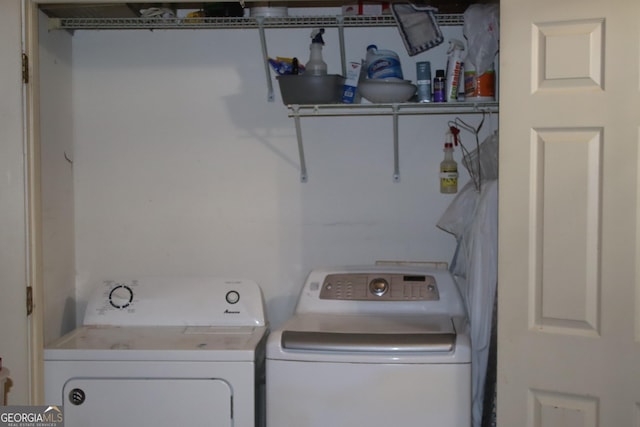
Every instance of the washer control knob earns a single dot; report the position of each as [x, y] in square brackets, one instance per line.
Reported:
[378, 286]
[232, 297]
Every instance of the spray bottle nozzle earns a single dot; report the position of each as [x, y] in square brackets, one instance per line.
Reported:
[316, 36]
[455, 44]
[452, 135]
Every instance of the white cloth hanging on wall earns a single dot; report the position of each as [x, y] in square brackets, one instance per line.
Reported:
[472, 217]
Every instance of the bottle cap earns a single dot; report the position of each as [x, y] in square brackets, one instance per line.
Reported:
[439, 73]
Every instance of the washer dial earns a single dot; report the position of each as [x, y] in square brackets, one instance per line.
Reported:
[121, 296]
[378, 286]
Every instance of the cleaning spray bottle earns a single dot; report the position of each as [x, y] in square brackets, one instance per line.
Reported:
[316, 65]
[454, 69]
[448, 168]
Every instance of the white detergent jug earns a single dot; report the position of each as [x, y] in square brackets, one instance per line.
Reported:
[383, 64]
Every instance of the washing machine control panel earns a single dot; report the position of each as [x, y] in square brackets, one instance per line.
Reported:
[388, 287]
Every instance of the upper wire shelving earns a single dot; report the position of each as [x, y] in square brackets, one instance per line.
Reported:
[143, 23]
[260, 23]
[320, 21]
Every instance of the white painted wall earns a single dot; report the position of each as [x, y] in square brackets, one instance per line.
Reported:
[57, 144]
[182, 167]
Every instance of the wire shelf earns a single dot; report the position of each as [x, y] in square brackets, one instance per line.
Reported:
[401, 109]
[233, 22]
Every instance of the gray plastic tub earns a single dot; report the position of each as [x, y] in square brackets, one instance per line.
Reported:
[302, 89]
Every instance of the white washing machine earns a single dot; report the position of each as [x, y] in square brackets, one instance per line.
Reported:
[373, 346]
[162, 352]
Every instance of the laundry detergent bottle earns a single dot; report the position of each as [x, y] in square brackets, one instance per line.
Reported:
[316, 65]
[383, 64]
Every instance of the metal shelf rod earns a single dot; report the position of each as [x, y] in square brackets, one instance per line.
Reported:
[396, 155]
[303, 163]
[402, 109]
[265, 59]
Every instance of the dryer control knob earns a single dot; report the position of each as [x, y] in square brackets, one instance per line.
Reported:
[77, 396]
[232, 297]
[378, 286]
[121, 296]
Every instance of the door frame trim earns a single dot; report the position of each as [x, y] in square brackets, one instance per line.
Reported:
[31, 111]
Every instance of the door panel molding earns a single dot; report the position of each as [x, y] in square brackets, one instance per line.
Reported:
[553, 409]
[566, 230]
[554, 69]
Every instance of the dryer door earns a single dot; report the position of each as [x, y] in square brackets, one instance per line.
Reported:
[157, 402]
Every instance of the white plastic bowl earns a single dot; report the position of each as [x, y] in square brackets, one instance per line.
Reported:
[387, 91]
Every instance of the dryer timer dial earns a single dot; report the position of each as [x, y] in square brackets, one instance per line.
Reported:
[121, 296]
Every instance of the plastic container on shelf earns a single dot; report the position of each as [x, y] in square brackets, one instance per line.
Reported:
[383, 64]
[423, 81]
[316, 65]
[439, 90]
[308, 89]
[448, 171]
[454, 70]
[267, 10]
[479, 88]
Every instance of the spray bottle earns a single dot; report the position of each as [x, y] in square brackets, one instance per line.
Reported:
[454, 69]
[316, 65]
[448, 168]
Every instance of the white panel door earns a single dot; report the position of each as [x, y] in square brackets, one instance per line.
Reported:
[13, 316]
[568, 343]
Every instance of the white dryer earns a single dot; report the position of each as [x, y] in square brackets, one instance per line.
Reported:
[162, 352]
[373, 346]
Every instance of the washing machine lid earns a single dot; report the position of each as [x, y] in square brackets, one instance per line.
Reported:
[363, 333]
[336, 341]
[168, 343]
